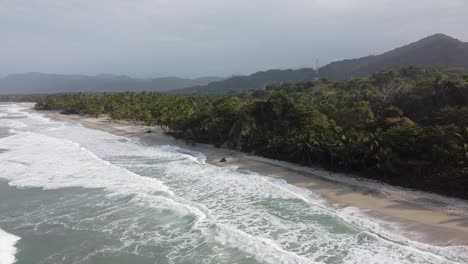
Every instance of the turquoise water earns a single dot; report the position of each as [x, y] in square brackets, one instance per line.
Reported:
[76, 195]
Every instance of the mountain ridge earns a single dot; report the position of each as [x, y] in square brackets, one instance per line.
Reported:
[258, 80]
[35, 82]
[437, 50]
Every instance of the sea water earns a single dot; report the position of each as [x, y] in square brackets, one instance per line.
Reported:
[69, 194]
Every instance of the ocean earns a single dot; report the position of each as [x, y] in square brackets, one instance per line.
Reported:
[73, 195]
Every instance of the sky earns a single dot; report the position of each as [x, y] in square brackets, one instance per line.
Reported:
[192, 38]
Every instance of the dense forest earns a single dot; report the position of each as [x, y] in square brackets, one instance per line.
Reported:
[21, 97]
[258, 80]
[408, 127]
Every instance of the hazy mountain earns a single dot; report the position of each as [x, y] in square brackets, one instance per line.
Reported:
[255, 81]
[55, 83]
[434, 51]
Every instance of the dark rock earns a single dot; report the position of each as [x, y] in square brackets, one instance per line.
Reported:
[69, 112]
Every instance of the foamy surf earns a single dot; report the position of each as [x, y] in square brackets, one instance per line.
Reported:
[147, 204]
[11, 123]
[35, 160]
[7, 247]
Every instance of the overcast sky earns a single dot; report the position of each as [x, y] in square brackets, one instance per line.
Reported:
[190, 38]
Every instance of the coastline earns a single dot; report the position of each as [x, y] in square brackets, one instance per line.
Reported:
[417, 215]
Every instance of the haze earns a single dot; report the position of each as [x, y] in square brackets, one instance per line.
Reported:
[147, 38]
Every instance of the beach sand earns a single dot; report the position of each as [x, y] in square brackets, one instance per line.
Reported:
[416, 215]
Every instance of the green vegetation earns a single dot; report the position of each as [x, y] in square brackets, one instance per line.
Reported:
[407, 127]
[21, 97]
[258, 80]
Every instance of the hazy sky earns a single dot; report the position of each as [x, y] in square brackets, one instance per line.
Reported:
[189, 38]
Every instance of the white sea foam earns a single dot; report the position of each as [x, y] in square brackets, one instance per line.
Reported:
[13, 109]
[7, 247]
[270, 219]
[37, 117]
[11, 123]
[418, 198]
[35, 160]
[396, 242]
[264, 250]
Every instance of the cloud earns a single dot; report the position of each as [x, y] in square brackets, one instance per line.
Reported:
[214, 37]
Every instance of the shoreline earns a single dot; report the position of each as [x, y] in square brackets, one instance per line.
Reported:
[416, 215]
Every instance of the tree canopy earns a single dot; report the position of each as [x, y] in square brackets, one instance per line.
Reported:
[408, 127]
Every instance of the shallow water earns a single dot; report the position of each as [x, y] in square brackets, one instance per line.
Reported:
[76, 195]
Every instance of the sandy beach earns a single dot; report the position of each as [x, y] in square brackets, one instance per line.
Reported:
[416, 215]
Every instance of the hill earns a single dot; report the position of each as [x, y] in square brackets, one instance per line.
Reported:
[257, 80]
[437, 50]
[35, 83]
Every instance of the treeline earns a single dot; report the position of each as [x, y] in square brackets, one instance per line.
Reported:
[21, 97]
[407, 127]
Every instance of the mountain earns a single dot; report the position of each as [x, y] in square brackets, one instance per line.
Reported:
[54, 83]
[438, 50]
[257, 80]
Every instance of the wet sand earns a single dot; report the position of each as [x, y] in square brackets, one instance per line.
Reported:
[416, 215]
